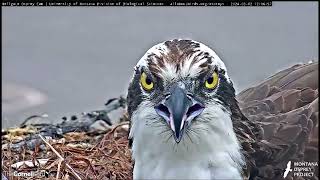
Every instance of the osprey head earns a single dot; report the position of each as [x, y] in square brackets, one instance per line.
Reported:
[173, 85]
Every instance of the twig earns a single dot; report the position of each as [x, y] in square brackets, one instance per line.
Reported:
[58, 171]
[108, 133]
[117, 126]
[62, 159]
[31, 117]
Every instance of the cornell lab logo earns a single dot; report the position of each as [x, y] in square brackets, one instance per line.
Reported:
[300, 169]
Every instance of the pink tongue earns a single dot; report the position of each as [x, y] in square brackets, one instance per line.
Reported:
[183, 121]
[172, 123]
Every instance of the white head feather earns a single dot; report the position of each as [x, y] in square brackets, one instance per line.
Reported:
[210, 150]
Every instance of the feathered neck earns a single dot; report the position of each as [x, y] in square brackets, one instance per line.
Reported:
[208, 154]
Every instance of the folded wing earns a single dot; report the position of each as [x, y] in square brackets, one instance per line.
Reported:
[281, 121]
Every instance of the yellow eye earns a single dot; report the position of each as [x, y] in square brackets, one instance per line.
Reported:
[146, 82]
[212, 81]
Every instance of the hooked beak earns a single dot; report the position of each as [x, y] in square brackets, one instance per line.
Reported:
[178, 109]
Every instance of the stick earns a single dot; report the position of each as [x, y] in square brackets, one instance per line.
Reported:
[62, 159]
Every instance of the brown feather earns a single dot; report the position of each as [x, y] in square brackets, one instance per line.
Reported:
[285, 107]
[177, 51]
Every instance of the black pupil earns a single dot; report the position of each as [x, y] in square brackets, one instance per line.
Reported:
[210, 80]
[148, 81]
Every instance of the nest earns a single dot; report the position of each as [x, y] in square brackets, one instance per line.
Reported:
[78, 155]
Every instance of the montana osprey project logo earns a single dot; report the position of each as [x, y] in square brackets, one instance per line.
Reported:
[288, 169]
[300, 169]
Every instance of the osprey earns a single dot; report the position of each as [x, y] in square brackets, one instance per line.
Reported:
[185, 120]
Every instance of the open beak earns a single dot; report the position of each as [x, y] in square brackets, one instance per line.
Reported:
[178, 109]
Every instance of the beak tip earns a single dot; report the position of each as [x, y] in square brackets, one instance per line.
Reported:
[177, 137]
[177, 140]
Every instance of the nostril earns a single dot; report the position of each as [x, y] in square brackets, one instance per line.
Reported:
[190, 95]
[162, 110]
[167, 95]
[195, 110]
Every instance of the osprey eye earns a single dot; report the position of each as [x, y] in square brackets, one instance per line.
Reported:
[212, 81]
[146, 82]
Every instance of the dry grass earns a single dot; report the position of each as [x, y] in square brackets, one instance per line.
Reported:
[76, 156]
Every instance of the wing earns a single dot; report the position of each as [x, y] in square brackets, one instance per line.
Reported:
[280, 121]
